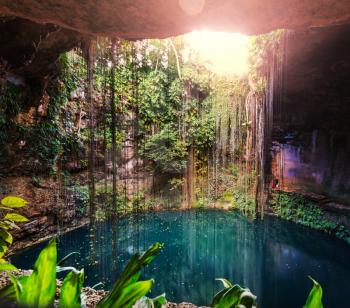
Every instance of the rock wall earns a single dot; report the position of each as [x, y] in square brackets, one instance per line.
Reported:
[51, 207]
[311, 128]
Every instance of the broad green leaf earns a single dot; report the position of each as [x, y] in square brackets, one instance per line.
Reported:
[225, 282]
[71, 290]
[315, 297]
[7, 267]
[130, 294]
[231, 297]
[13, 202]
[131, 273]
[150, 254]
[6, 236]
[218, 296]
[16, 217]
[40, 287]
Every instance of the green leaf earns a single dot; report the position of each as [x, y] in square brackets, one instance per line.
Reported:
[130, 294]
[234, 296]
[7, 267]
[71, 290]
[13, 202]
[6, 236]
[218, 296]
[314, 299]
[150, 254]
[40, 287]
[225, 282]
[16, 217]
[231, 297]
[130, 274]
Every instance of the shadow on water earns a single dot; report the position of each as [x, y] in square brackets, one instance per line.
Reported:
[272, 257]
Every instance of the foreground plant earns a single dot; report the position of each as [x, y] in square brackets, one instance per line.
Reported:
[234, 296]
[314, 299]
[8, 221]
[39, 289]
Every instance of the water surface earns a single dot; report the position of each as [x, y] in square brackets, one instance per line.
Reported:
[272, 257]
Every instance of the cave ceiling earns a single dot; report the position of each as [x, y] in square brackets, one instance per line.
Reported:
[163, 18]
[35, 32]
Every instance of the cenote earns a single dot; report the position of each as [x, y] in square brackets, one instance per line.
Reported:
[271, 256]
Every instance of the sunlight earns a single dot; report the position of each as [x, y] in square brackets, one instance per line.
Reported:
[227, 53]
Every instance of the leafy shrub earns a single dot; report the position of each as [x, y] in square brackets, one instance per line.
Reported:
[166, 152]
[81, 198]
[298, 209]
[8, 221]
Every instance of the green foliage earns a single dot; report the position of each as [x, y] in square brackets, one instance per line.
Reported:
[11, 99]
[154, 105]
[233, 296]
[302, 211]
[261, 45]
[81, 197]
[201, 126]
[7, 222]
[234, 172]
[71, 290]
[38, 289]
[166, 151]
[314, 299]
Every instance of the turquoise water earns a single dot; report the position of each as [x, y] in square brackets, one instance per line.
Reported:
[272, 257]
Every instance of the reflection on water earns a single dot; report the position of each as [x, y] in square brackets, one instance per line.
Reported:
[271, 257]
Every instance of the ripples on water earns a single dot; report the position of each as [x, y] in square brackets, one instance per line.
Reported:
[272, 257]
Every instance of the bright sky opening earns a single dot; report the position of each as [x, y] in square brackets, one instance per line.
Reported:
[227, 53]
